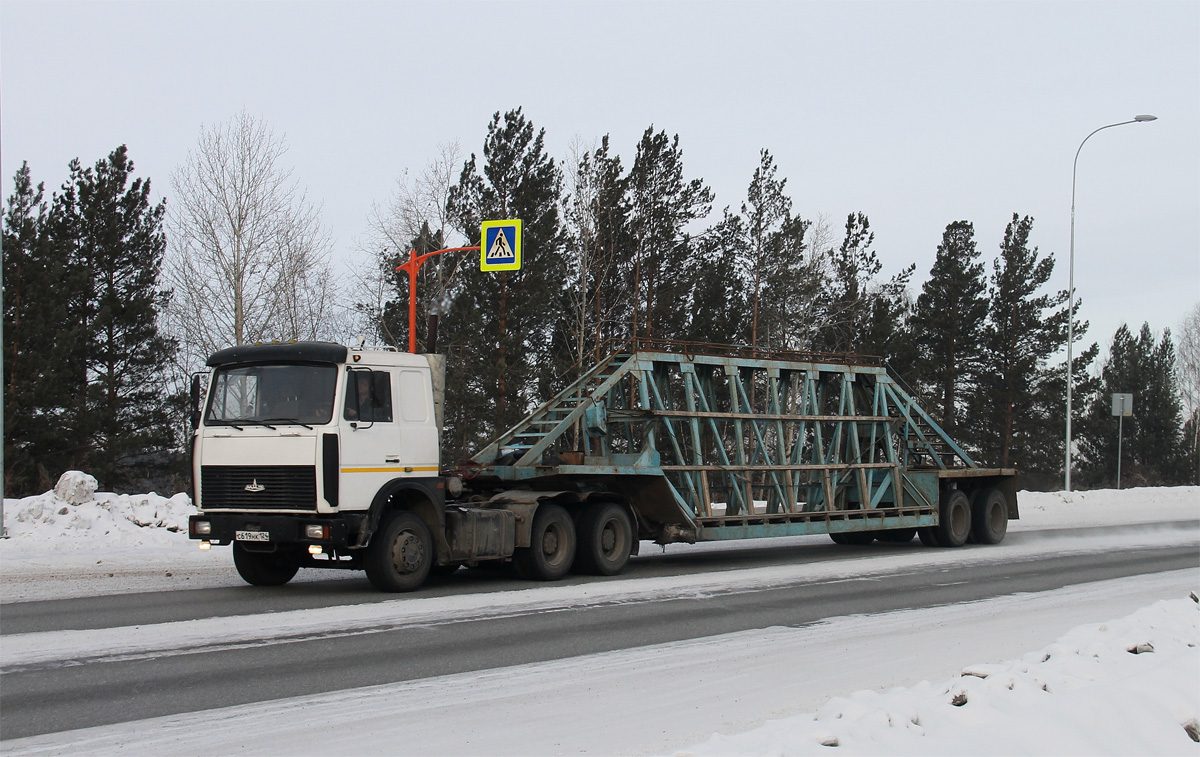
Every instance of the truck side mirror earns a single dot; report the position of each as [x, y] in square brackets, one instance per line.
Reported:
[196, 400]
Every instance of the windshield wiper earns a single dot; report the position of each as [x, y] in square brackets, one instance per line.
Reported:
[294, 421]
[235, 421]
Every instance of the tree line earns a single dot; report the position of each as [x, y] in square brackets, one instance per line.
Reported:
[109, 301]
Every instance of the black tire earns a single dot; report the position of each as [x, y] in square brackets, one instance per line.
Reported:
[400, 554]
[928, 536]
[265, 568]
[838, 537]
[989, 516]
[551, 549]
[604, 540]
[897, 535]
[954, 519]
[861, 538]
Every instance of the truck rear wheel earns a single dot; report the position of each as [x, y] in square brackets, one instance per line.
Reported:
[954, 519]
[989, 516]
[400, 554]
[265, 568]
[551, 547]
[605, 539]
[928, 536]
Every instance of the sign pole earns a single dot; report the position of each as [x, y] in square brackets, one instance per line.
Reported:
[1122, 405]
[1120, 433]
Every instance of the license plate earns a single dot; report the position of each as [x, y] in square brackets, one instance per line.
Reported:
[251, 536]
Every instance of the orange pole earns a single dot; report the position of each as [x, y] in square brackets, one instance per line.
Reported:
[411, 267]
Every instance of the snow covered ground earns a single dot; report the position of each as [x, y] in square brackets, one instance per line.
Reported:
[959, 679]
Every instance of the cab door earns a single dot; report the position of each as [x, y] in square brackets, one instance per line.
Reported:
[372, 452]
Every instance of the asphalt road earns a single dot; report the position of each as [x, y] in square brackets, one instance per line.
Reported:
[55, 697]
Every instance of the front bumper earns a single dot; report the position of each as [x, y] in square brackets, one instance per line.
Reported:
[280, 529]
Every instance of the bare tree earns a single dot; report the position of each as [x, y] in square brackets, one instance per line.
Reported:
[1187, 364]
[417, 207]
[1187, 377]
[594, 219]
[248, 259]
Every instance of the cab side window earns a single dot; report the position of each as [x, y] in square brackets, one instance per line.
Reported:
[368, 397]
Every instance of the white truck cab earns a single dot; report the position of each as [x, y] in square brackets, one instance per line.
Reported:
[301, 445]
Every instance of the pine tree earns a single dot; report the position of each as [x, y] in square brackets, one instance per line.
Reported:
[860, 313]
[117, 237]
[721, 311]
[1007, 413]
[1152, 451]
[503, 332]
[662, 204]
[948, 323]
[43, 367]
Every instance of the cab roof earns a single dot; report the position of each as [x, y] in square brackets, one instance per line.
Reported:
[293, 352]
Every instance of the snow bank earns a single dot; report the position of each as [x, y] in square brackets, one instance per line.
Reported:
[1106, 507]
[74, 516]
[1124, 687]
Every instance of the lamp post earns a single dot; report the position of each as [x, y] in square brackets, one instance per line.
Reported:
[1071, 283]
[411, 267]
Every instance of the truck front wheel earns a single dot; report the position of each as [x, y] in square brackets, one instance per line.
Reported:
[551, 547]
[605, 540]
[400, 554]
[264, 568]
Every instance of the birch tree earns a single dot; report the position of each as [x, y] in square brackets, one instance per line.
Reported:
[414, 218]
[249, 259]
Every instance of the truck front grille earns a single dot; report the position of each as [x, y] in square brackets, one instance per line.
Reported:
[258, 487]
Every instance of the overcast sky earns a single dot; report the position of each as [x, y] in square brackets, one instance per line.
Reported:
[918, 114]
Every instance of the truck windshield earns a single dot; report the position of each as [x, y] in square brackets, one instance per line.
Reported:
[272, 395]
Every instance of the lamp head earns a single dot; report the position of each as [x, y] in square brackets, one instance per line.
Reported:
[1143, 117]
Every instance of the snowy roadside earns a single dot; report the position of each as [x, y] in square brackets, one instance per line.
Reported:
[1127, 686]
[768, 691]
[112, 544]
[657, 699]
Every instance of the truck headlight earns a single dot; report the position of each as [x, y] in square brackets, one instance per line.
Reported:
[316, 532]
[201, 528]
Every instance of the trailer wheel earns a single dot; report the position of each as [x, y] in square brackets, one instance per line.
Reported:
[264, 568]
[400, 555]
[551, 547]
[838, 537]
[605, 539]
[954, 519]
[928, 536]
[859, 538]
[989, 516]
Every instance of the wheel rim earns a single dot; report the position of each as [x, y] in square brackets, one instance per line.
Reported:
[408, 553]
[960, 520]
[997, 518]
[554, 543]
[608, 539]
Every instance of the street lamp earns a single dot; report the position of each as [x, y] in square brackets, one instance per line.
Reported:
[1071, 283]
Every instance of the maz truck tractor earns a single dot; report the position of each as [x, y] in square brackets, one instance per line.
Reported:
[318, 455]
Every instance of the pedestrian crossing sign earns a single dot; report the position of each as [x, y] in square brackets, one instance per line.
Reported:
[500, 245]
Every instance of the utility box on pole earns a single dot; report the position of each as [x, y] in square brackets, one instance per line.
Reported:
[1122, 405]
